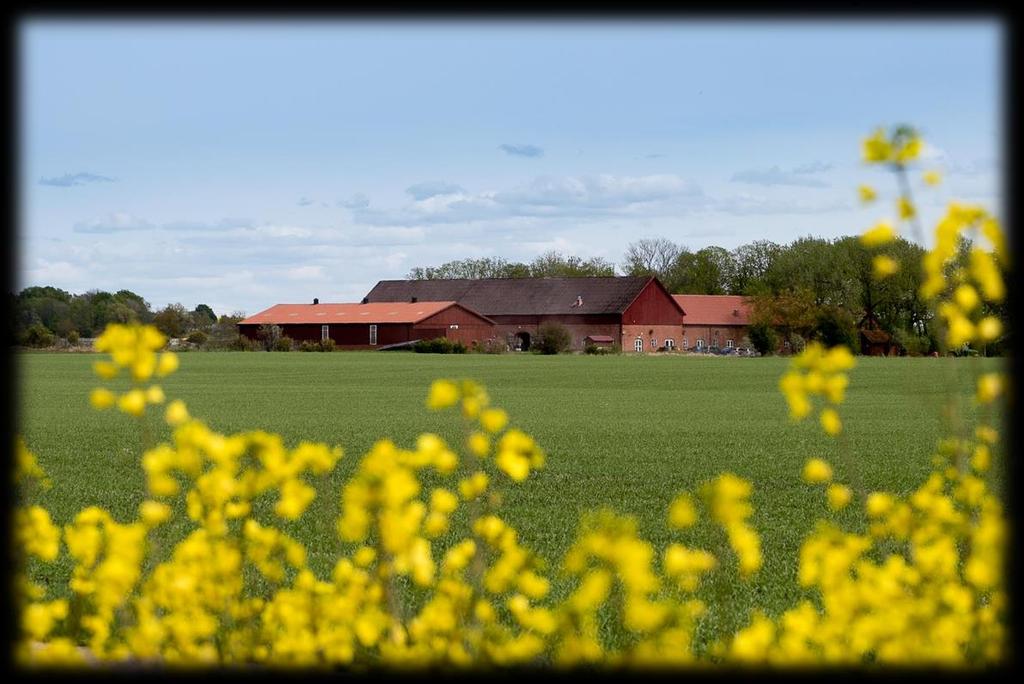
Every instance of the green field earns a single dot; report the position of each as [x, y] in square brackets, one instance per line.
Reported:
[622, 431]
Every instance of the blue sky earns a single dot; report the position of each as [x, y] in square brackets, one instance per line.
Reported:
[242, 164]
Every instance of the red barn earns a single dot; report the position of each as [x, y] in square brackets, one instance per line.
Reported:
[637, 312]
[714, 321]
[370, 326]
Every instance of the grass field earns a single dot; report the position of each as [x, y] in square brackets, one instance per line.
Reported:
[627, 432]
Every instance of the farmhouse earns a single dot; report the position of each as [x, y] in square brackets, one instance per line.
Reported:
[636, 312]
[372, 326]
[713, 321]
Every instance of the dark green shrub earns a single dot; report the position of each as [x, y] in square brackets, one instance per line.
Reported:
[308, 346]
[197, 337]
[283, 344]
[327, 345]
[552, 338]
[763, 338]
[38, 335]
[835, 327]
[73, 337]
[438, 345]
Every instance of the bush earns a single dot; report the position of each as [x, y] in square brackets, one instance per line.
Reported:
[197, 337]
[438, 345]
[763, 338]
[73, 337]
[309, 346]
[268, 335]
[242, 343]
[552, 338]
[283, 344]
[491, 346]
[326, 345]
[38, 336]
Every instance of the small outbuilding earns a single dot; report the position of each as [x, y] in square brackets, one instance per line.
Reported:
[599, 341]
[874, 341]
[371, 326]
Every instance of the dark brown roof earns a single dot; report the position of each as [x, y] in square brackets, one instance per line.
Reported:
[523, 296]
[875, 336]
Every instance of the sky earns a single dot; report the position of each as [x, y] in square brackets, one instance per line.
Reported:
[241, 164]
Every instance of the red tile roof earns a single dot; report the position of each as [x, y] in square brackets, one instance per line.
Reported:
[714, 309]
[384, 312]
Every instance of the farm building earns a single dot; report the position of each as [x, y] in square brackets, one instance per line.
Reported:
[874, 340]
[713, 321]
[370, 326]
[636, 312]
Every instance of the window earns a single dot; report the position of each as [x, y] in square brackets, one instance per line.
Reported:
[373, 334]
[324, 334]
[686, 343]
[670, 344]
[700, 343]
[654, 343]
[729, 344]
[638, 345]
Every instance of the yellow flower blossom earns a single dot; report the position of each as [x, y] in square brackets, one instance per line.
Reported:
[817, 471]
[990, 386]
[838, 496]
[830, 422]
[176, 413]
[932, 177]
[882, 234]
[102, 398]
[443, 393]
[132, 402]
[867, 194]
[883, 266]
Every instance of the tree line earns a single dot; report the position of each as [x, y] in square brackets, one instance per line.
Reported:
[44, 315]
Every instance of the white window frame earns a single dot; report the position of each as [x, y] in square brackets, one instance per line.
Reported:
[670, 343]
[686, 343]
[325, 332]
[373, 333]
[638, 345]
[654, 343]
[729, 344]
[700, 344]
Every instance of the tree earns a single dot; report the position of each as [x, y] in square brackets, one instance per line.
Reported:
[173, 320]
[706, 271]
[553, 264]
[203, 317]
[269, 336]
[751, 262]
[650, 256]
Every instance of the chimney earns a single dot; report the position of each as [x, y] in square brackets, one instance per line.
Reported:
[579, 300]
[735, 312]
[412, 300]
[315, 300]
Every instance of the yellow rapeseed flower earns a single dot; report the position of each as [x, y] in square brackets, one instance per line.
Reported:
[906, 208]
[443, 393]
[838, 496]
[682, 513]
[155, 395]
[493, 420]
[990, 386]
[176, 412]
[133, 402]
[883, 266]
[102, 398]
[867, 194]
[932, 177]
[881, 234]
[168, 364]
[830, 422]
[990, 328]
[817, 471]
